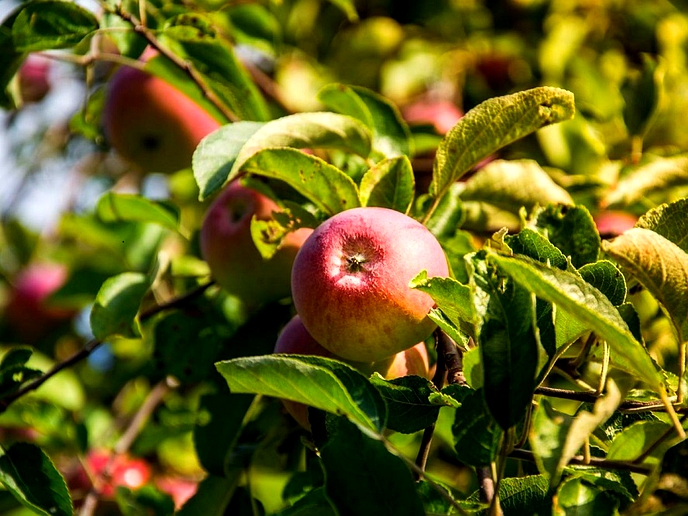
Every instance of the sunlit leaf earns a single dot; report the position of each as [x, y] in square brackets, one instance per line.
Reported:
[670, 221]
[389, 184]
[607, 278]
[494, 124]
[117, 304]
[115, 207]
[572, 229]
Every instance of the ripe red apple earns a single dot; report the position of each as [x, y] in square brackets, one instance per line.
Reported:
[180, 489]
[152, 124]
[442, 114]
[27, 311]
[228, 248]
[295, 339]
[350, 283]
[126, 471]
[34, 78]
[613, 223]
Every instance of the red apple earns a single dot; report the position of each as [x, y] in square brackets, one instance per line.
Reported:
[613, 223]
[228, 248]
[126, 471]
[152, 124]
[34, 78]
[180, 489]
[295, 339]
[442, 114]
[350, 283]
[27, 311]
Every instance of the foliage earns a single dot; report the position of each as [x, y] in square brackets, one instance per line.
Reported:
[562, 335]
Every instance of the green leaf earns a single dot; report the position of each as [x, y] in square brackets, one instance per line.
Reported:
[391, 135]
[215, 155]
[669, 220]
[448, 216]
[573, 230]
[145, 500]
[529, 494]
[389, 184]
[348, 7]
[587, 304]
[319, 382]
[536, 246]
[117, 304]
[510, 185]
[494, 124]
[13, 370]
[29, 474]
[307, 130]
[330, 189]
[314, 503]
[116, 207]
[555, 438]
[216, 438]
[606, 278]
[508, 341]
[642, 95]
[577, 497]
[361, 475]
[646, 178]
[661, 266]
[636, 440]
[619, 483]
[454, 299]
[408, 407]
[194, 39]
[51, 24]
[476, 433]
[212, 496]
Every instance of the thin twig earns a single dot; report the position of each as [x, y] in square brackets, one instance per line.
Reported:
[153, 399]
[592, 396]
[184, 65]
[580, 460]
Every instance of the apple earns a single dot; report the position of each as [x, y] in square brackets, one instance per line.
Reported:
[27, 311]
[235, 262]
[442, 114]
[34, 78]
[125, 471]
[350, 283]
[152, 124]
[613, 223]
[295, 339]
[180, 489]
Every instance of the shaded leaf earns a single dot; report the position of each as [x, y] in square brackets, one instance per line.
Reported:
[576, 497]
[115, 207]
[212, 496]
[408, 402]
[535, 245]
[587, 304]
[573, 230]
[391, 136]
[314, 503]
[389, 184]
[637, 439]
[606, 278]
[510, 185]
[29, 474]
[661, 266]
[51, 24]
[494, 124]
[361, 474]
[476, 433]
[117, 304]
[319, 382]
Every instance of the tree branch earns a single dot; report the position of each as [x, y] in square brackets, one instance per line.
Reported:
[580, 460]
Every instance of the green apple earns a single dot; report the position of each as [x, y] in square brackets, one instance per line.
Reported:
[350, 283]
[152, 124]
[228, 248]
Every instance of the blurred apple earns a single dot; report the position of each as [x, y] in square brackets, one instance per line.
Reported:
[34, 78]
[295, 339]
[152, 124]
[27, 312]
[180, 489]
[125, 471]
[350, 283]
[441, 114]
[613, 223]
[235, 262]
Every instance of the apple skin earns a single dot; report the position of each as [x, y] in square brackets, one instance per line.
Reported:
[350, 283]
[34, 78]
[613, 223]
[27, 312]
[295, 339]
[228, 248]
[442, 114]
[125, 471]
[152, 124]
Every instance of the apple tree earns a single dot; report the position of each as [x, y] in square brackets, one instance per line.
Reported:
[343, 258]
